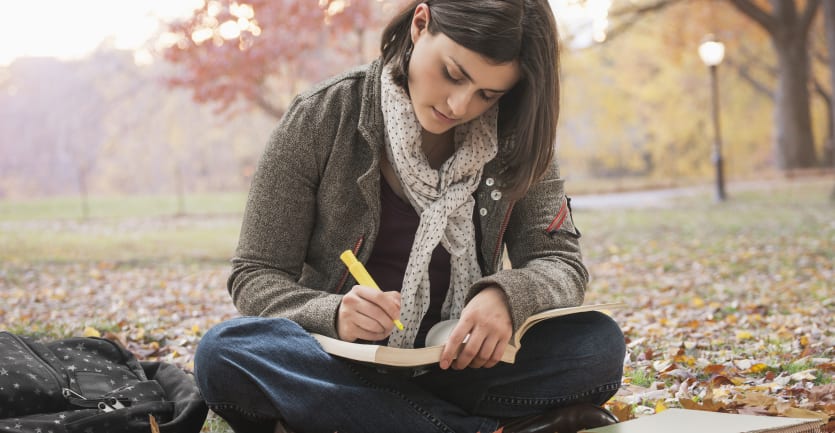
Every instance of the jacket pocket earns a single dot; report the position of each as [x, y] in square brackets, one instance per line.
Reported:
[563, 221]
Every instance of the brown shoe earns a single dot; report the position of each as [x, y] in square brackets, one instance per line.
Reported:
[566, 419]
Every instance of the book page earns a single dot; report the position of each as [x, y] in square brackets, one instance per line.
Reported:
[439, 333]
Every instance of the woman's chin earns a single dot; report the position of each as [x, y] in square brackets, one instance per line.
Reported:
[436, 128]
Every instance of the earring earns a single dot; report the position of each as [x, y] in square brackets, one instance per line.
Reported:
[408, 55]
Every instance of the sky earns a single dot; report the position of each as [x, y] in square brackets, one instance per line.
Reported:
[70, 29]
[73, 28]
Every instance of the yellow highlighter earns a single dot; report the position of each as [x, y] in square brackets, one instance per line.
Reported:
[362, 276]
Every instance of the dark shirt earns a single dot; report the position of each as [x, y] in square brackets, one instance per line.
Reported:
[387, 264]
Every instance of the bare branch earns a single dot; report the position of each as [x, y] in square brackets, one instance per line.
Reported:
[622, 27]
[264, 103]
[760, 16]
[634, 14]
[642, 9]
[821, 91]
[809, 15]
[745, 73]
[752, 58]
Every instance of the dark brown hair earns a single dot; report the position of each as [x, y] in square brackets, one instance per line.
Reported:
[502, 31]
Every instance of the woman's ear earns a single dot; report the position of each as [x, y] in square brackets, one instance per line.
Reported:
[420, 21]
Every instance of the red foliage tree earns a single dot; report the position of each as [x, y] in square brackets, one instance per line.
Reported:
[264, 51]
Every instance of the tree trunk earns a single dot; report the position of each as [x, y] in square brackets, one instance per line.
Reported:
[788, 27]
[829, 22]
[181, 189]
[82, 172]
[795, 146]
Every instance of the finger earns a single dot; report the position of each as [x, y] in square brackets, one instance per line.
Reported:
[360, 318]
[369, 324]
[391, 304]
[469, 351]
[387, 302]
[382, 305]
[485, 352]
[454, 344]
[496, 356]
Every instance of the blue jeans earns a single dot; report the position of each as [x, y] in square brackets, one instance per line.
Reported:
[253, 371]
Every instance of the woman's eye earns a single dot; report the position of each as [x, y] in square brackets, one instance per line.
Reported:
[450, 77]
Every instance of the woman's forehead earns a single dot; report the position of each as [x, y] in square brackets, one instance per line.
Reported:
[482, 71]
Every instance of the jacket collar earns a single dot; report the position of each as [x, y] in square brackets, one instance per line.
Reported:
[370, 123]
[371, 128]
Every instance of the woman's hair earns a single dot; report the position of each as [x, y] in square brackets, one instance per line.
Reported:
[501, 31]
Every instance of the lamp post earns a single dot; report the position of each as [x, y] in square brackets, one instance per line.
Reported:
[712, 52]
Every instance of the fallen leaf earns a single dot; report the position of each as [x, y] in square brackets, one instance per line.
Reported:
[621, 410]
[153, 422]
[796, 412]
[822, 393]
[662, 365]
[757, 368]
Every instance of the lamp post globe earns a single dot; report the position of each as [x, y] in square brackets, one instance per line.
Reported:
[712, 52]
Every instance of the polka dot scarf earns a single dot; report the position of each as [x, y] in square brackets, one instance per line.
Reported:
[443, 199]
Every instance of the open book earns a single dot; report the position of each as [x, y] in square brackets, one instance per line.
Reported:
[693, 421]
[435, 340]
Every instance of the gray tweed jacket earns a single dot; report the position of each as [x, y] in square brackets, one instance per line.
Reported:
[316, 193]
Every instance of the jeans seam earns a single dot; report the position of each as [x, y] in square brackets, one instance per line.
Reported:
[518, 401]
[417, 408]
[219, 407]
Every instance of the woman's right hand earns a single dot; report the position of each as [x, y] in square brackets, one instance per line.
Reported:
[366, 313]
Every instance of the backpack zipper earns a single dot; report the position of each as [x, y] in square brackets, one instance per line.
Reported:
[105, 404]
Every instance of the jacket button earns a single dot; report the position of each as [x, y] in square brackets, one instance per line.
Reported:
[482, 212]
[490, 181]
[496, 194]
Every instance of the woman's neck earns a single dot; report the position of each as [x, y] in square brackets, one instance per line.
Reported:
[438, 147]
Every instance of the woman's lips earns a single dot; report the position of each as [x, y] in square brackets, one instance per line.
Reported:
[442, 117]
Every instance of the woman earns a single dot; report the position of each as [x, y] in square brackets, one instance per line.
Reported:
[426, 163]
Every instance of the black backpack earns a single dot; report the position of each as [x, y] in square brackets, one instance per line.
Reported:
[92, 385]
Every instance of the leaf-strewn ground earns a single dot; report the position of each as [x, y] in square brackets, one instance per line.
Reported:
[731, 306]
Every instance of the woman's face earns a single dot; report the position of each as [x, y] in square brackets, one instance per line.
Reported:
[449, 84]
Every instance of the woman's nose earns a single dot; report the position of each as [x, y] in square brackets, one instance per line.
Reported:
[458, 102]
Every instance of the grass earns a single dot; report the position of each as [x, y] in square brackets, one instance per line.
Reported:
[138, 206]
[124, 229]
[640, 377]
[179, 240]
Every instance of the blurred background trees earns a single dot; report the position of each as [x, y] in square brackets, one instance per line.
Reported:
[636, 98]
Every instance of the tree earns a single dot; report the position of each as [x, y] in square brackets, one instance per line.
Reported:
[787, 26]
[264, 51]
[620, 118]
[829, 20]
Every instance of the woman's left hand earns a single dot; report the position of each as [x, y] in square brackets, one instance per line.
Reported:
[486, 319]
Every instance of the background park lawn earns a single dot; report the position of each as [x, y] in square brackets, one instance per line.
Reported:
[731, 305]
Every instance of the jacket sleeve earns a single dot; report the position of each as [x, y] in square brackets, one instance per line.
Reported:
[277, 225]
[544, 251]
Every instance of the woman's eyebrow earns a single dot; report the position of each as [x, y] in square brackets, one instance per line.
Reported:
[467, 75]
